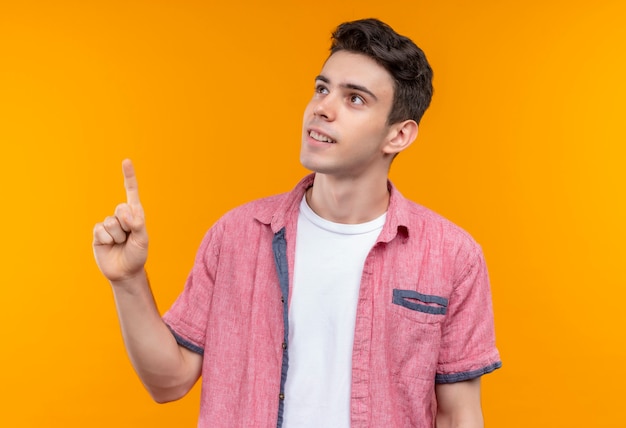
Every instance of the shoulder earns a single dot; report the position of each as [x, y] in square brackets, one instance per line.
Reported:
[428, 224]
[430, 234]
[271, 209]
[260, 210]
[242, 223]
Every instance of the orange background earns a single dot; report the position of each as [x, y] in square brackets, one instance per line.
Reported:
[523, 146]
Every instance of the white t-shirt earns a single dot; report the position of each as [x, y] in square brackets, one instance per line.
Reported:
[327, 274]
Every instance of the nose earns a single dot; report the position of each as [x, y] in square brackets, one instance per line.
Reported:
[325, 108]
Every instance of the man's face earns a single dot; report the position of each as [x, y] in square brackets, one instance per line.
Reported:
[345, 131]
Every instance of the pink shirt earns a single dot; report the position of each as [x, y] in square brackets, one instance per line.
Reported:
[424, 315]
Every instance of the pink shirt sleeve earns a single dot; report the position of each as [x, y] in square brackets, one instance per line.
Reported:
[468, 340]
[187, 318]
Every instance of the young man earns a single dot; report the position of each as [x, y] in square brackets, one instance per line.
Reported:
[339, 304]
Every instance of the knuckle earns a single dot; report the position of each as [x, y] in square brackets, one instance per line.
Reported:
[100, 235]
[121, 209]
[110, 223]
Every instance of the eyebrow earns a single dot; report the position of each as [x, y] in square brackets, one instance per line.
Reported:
[349, 86]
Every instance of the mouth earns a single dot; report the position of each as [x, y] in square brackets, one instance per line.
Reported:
[321, 137]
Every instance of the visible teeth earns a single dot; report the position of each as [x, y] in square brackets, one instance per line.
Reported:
[320, 137]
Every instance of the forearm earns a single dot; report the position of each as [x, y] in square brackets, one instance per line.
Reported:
[458, 405]
[468, 421]
[160, 363]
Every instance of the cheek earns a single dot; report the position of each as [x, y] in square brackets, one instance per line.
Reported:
[372, 127]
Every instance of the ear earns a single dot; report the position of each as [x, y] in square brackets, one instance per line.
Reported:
[401, 135]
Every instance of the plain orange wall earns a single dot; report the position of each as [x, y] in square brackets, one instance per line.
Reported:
[523, 146]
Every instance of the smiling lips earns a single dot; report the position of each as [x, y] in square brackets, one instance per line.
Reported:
[321, 137]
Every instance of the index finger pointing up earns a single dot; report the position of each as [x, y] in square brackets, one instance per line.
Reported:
[130, 183]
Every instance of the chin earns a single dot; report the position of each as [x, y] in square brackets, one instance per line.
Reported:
[308, 165]
[305, 159]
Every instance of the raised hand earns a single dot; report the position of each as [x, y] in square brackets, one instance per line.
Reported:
[120, 242]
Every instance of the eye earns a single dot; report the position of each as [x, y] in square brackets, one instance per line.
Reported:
[321, 89]
[357, 99]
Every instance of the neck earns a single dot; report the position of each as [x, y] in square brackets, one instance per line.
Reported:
[348, 201]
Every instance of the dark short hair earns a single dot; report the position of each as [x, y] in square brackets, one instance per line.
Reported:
[399, 55]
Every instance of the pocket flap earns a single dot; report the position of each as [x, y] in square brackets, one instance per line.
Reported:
[415, 301]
